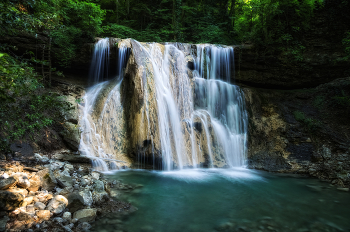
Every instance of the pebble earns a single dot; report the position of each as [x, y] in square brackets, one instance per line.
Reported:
[67, 216]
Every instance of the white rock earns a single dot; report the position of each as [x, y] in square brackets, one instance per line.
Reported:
[4, 176]
[67, 216]
[39, 205]
[87, 196]
[23, 180]
[40, 158]
[57, 204]
[95, 175]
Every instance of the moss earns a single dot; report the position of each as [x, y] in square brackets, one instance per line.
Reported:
[310, 123]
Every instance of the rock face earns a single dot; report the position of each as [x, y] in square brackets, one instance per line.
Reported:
[301, 131]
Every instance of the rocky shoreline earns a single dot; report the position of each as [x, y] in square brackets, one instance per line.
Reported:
[54, 194]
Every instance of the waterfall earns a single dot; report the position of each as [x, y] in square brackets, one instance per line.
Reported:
[101, 114]
[184, 117]
[100, 62]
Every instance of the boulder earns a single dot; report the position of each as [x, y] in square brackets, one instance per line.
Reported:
[35, 183]
[57, 204]
[23, 180]
[8, 182]
[46, 181]
[75, 202]
[28, 200]
[43, 214]
[87, 197]
[10, 200]
[85, 215]
[39, 205]
[63, 179]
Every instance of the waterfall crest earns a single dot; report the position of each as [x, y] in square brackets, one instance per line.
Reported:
[174, 107]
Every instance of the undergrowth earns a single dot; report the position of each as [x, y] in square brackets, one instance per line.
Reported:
[310, 123]
[26, 108]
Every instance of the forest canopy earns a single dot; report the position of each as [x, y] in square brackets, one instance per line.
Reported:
[70, 23]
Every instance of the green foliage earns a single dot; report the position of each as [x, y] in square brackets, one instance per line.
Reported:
[319, 102]
[342, 100]
[311, 124]
[346, 43]
[69, 23]
[26, 107]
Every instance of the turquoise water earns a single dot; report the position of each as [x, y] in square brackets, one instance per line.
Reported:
[228, 200]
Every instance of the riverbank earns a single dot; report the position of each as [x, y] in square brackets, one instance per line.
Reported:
[59, 192]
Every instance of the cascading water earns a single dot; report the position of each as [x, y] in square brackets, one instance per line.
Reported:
[218, 113]
[101, 115]
[100, 62]
[185, 118]
[223, 101]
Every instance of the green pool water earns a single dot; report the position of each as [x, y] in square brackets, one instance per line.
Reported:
[228, 200]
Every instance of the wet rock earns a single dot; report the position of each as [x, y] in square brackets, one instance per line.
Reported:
[85, 215]
[57, 204]
[8, 182]
[43, 214]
